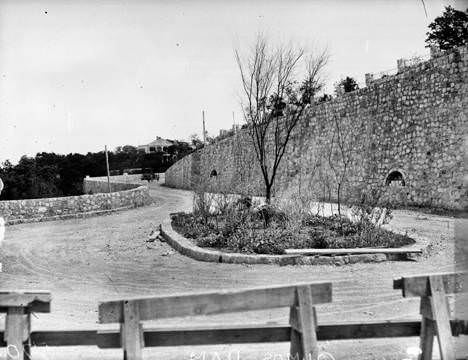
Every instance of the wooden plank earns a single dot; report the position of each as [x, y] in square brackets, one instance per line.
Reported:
[294, 319]
[131, 331]
[213, 335]
[36, 301]
[369, 330]
[213, 303]
[16, 332]
[189, 336]
[70, 338]
[426, 341]
[441, 318]
[307, 321]
[295, 350]
[425, 308]
[353, 251]
[413, 286]
[27, 335]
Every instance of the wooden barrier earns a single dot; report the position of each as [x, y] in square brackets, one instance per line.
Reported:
[18, 306]
[303, 332]
[300, 298]
[434, 308]
[217, 335]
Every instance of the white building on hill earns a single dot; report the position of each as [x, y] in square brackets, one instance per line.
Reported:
[157, 145]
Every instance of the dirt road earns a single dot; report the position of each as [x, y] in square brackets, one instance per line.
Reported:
[85, 261]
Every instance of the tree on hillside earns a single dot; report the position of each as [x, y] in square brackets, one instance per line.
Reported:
[346, 85]
[50, 174]
[179, 149]
[195, 141]
[127, 149]
[325, 98]
[448, 30]
[275, 98]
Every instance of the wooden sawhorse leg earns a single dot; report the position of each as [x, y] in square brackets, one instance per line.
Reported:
[303, 321]
[436, 322]
[17, 332]
[131, 332]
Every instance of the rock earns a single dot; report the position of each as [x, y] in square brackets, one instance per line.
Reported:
[339, 261]
[153, 236]
[367, 258]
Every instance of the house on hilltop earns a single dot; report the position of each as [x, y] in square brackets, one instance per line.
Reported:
[169, 149]
[157, 145]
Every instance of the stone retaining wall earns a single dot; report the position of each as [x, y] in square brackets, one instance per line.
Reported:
[125, 196]
[410, 126]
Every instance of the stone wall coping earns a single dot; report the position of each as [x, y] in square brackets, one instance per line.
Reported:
[186, 247]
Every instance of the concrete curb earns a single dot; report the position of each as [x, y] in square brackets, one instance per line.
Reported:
[186, 247]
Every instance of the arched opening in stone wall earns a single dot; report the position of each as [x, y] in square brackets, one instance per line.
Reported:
[395, 179]
[213, 173]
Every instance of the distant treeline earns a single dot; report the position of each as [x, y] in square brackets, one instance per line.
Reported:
[52, 175]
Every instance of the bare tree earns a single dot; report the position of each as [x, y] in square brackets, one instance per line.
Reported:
[275, 98]
[343, 152]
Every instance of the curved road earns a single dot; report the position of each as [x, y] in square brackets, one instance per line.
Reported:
[85, 261]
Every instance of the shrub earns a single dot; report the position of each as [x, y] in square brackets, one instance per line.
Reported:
[269, 213]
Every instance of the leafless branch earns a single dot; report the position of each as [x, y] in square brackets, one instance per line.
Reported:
[275, 98]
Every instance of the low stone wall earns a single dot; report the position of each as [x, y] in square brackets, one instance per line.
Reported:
[125, 195]
[96, 185]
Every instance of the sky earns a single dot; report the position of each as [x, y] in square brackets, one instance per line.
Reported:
[78, 75]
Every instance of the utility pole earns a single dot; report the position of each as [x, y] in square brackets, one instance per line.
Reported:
[204, 131]
[107, 167]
